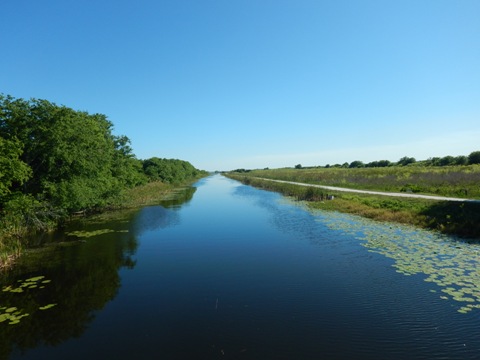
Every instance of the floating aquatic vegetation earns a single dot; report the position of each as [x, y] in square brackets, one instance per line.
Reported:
[88, 234]
[12, 314]
[26, 284]
[451, 264]
[46, 307]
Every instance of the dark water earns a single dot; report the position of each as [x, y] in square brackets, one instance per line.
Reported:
[238, 273]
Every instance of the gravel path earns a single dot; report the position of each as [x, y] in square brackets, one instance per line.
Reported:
[404, 195]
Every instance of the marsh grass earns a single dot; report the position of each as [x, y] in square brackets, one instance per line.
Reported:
[146, 195]
[10, 249]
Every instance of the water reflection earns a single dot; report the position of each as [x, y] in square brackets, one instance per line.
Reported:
[290, 219]
[82, 279]
[167, 215]
[54, 291]
[157, 217]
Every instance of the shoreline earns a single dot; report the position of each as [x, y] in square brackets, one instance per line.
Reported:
[456, 217]
[146, 195]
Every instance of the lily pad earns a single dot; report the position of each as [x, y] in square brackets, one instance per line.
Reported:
[46, 307]
[30, 283]
[13, 316]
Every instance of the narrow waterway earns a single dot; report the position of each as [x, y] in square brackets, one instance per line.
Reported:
[233, 272]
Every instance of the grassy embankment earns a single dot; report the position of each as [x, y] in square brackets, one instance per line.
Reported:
[12, 241]
[460, 218]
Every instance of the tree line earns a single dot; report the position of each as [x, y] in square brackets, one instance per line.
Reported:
[472, 158]
[56, 161]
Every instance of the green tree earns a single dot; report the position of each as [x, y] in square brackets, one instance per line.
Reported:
[13, 171]
[169, 170]
[461, 160]
[474, 157]
[384, 163]
[446, 160]
[433, 161]
[356, 164]
[126, 168]
[404, 161]
[73, 155]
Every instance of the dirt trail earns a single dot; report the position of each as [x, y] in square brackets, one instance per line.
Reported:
[384, 193]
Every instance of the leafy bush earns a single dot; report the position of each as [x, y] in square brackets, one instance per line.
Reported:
[411, 188]
[24, 212]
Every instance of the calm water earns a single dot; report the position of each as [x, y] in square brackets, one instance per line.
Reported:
[238, 273]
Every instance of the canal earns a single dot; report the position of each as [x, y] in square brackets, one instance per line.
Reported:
[232, 272]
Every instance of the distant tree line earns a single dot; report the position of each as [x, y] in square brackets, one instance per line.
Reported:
[55, 161]
[473, 158]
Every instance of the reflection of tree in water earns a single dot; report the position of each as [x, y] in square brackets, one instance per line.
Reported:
[83, 278]
[166, 215]
[155, 217]
[83, 274]
[181, 197]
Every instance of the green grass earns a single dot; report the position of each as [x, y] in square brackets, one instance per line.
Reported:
[453, 181]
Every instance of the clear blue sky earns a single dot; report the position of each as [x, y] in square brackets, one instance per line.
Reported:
[229, 84]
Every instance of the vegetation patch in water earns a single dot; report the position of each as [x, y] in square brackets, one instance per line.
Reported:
[451, 264]
[46, 307]
[88, 234]
[11, 314]
[26, 284]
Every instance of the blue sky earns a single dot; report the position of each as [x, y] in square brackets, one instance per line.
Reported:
[229, 84]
